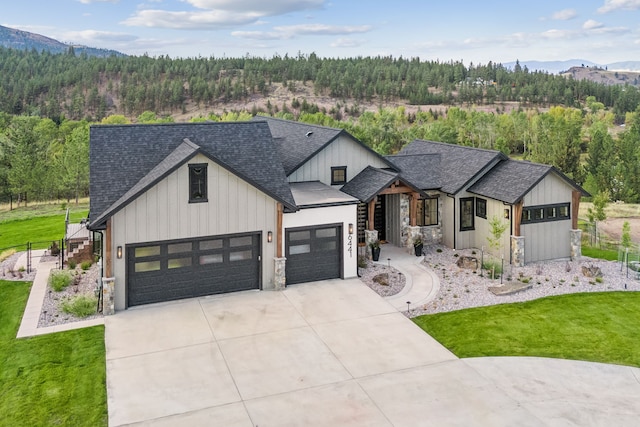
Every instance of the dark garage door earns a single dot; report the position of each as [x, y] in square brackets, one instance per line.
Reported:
[313, 253]
[171, 270]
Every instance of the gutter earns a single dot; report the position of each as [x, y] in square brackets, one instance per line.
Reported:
[455, 227]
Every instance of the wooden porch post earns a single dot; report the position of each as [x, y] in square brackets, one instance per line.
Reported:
[108, 261]
[575, 207]
[517, 218]
[279, 231]
[371, 214]
[413, 209]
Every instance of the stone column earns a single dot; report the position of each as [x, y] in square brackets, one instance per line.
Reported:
[280, 278]
[412, 233]
[108, 296]
[517, 250]
[576, 244]
[370, 236]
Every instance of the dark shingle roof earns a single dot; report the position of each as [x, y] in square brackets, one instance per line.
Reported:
[459, 165]
[421, 170]
[297, 142]
[126, 158]
[371, 181]
[511, 180]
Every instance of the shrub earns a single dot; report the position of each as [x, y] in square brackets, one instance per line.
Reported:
[6, 254]
[85, 265]
[60, 279]
[439, 250]
[362, 262]
[80, 306]
[72, 264]
[54, 249]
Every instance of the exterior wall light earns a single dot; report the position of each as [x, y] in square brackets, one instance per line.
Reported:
[506, 213]
[350, 228]
[119, 252]
[269, 236]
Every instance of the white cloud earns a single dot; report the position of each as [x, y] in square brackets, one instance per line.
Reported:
[564, 15]
[90, 37]
[271, 7]
[292, 31]
[612, 5]
[210, 20]
[592, 25]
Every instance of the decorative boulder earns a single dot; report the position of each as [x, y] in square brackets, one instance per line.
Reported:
[591, 271]
[468, 262]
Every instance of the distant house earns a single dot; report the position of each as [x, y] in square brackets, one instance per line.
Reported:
[196, 209]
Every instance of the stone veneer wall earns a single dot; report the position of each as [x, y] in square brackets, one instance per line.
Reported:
[280, 278]
[576, 244]
[108, 296]
[517, 251]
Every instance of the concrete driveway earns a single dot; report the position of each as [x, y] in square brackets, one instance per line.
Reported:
[334, 353]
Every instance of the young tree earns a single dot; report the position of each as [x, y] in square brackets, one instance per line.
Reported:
[597, 212]
[625, 240]
[497, 227]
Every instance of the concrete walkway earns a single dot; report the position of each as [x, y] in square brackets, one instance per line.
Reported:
[29, 324]
[422, 284]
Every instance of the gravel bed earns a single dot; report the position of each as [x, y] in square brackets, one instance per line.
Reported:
[463, 288]
[7, 271]
[375, 275]
[52, 313]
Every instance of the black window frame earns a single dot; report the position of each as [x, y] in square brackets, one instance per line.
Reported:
[422, 213]
[481, 207]
[335, 169]
[471, 215]
[543, 213]
[193, 197]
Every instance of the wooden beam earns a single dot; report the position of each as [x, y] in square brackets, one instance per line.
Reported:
[279, 231]
[108, 251]
[371, 215]
[403, 189]
[413, 209]
[517, 218]
[575, 207]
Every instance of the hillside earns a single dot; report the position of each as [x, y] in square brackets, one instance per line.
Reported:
[24, 40]
[605, 77]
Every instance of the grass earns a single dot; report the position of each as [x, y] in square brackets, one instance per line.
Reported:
[49, 380]
[596, 327]
[42, 224]
[608, 254]
[60, 279]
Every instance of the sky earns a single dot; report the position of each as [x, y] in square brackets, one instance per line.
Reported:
[601, 31]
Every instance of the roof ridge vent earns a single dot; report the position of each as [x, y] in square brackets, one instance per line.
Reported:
[308, 134]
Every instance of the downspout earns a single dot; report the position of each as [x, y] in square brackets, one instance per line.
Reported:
[455, 227]
[101, 268]
[511, 226]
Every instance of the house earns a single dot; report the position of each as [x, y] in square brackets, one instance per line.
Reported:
[193, 209]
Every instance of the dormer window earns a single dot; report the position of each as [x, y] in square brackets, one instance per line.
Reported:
[198, 183]
[338, 175]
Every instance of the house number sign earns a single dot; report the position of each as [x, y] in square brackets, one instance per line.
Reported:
[350, 245]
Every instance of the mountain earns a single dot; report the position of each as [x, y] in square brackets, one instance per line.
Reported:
[24, 40]
[557, 67]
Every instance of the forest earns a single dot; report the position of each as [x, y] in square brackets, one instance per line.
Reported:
[588, 130]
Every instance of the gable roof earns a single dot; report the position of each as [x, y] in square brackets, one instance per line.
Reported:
[297, 142]
[459, 165]
[371, 181]
[127, 159]
[422, 170]
[511, 180]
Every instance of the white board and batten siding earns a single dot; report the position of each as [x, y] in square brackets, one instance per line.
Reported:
[547, 240]
[164, 213]
[483, 229]
[344, 151]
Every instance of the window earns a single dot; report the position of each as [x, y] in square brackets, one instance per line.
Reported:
[427, 211]
[545, 213]
[198, 183]
[466, 214]
[338, 175]
[481, 207]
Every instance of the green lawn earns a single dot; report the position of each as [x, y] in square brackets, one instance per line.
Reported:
[50, 380]
[597, 327]
[18, 229]
[608, 254]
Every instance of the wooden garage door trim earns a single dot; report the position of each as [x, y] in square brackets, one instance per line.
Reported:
[308, 265]
[185, 268]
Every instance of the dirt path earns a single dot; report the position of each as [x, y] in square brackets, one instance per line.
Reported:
[612, 229]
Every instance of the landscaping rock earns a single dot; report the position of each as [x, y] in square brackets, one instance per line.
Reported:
[468, 262]
[591, 271]
[510, 288]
